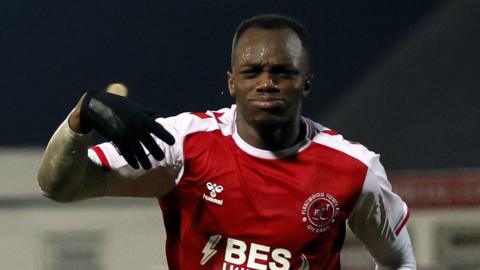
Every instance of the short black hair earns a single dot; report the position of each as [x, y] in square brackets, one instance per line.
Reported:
[272, 21]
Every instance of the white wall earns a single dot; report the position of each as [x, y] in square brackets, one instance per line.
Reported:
[131, 230]
[132, 236]
[18, 168]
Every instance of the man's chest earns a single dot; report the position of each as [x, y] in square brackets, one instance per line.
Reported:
[234, 209]
[234, 193]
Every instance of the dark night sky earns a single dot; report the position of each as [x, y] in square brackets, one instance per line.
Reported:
[172, 55]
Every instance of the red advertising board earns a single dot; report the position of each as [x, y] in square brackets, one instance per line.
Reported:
[438, 188]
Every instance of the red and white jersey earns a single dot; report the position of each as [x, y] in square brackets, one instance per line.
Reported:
[239, 207]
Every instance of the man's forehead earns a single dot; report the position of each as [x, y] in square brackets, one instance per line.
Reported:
[255, 44]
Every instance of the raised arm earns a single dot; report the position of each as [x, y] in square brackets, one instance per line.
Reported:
[68, 174]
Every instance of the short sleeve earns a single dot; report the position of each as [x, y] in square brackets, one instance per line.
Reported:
[379, 217]
[109, 157]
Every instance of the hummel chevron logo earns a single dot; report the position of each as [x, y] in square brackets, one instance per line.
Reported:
[214, 190]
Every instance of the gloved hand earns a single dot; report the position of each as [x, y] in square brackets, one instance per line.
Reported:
[126, 124]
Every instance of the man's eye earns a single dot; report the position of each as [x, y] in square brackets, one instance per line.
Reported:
[292, 71]
[286, 72]
[250, 73]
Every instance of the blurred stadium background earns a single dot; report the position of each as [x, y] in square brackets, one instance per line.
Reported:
[401, 77]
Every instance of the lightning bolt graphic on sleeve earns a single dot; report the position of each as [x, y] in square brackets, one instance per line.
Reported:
[209, 249]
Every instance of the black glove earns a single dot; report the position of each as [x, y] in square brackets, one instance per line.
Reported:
[126, 124]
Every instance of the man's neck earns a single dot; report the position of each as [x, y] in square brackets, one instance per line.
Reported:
[270, 137]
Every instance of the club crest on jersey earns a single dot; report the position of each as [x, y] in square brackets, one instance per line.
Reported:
[214, 190]
[319, 212]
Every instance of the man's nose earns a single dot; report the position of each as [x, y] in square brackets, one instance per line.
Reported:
[266, 83]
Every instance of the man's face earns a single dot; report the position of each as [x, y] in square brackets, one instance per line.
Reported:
[268, 77]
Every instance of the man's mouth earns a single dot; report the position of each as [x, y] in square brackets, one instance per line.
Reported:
[267, 103]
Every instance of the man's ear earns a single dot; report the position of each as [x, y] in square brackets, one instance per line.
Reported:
[231, 83]
[307, 87]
